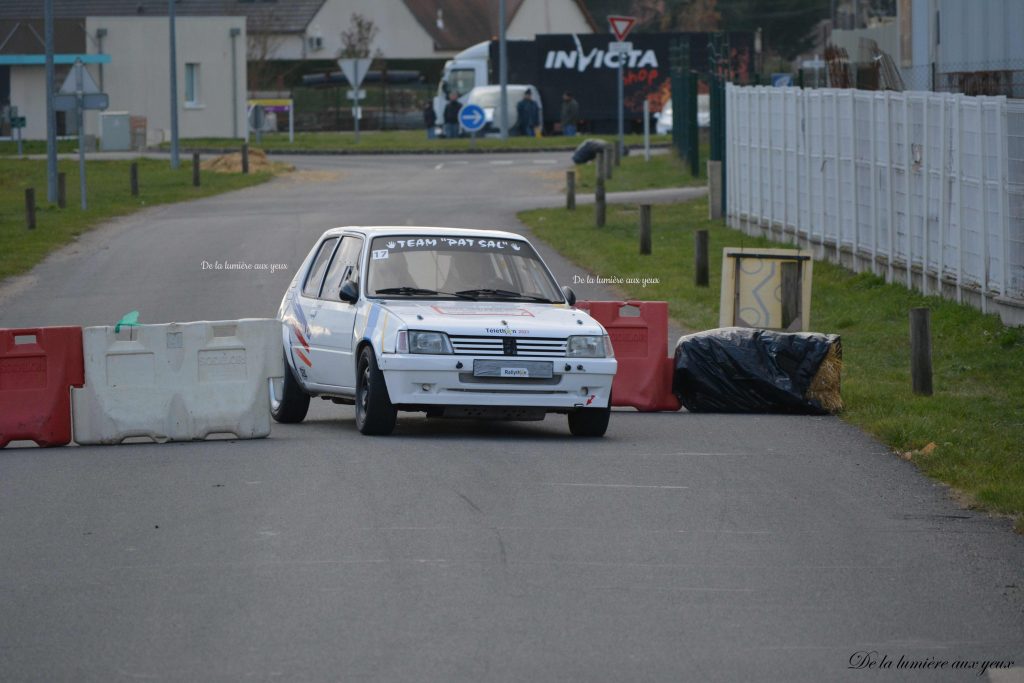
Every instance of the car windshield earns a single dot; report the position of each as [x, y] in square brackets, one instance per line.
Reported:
[479, 268]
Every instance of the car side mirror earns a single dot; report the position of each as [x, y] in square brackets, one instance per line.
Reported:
[570, 296]
[349, 292]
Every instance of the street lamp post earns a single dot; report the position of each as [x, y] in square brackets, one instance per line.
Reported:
[175, 162]
[503, 71]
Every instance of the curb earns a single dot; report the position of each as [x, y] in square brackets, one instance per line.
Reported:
[381, 152]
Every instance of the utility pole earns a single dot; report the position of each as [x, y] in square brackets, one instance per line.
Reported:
[234, 33]
[51, 112]
[503, 70]
[175, 161]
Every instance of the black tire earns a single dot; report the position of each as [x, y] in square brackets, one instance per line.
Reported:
[375, 414]
[590, 421]
[293, 403]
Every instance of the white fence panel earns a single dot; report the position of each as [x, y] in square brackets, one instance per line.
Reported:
[178, 381]
[926, 188]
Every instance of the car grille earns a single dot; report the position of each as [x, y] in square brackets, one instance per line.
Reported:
[508, 346]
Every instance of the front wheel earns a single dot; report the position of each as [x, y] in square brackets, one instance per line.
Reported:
[590, 421]
[375, 414]
[293, 403]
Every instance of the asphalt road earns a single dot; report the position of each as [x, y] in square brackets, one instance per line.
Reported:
[679, 547]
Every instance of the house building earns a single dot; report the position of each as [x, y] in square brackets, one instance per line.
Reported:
[407, 29]
[125, 46]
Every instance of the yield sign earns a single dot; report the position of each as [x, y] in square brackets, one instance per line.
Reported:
[621, 26]
[355, 70]
[70, 86]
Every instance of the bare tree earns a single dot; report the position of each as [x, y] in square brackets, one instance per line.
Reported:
[677, 15]
[263, 43]
[357, 40]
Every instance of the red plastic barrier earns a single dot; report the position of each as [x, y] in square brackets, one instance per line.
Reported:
[640, 340]
[38, 367]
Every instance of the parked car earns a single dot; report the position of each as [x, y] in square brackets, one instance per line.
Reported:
[450, 322]
[664, 117]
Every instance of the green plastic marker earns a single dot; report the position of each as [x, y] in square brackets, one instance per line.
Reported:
[129, 320]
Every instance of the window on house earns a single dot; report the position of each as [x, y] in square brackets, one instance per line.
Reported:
[191, 84]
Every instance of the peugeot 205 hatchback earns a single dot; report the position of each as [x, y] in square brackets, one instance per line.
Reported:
[450, 322]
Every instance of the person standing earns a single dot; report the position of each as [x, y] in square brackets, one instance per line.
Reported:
[570, 114]
[527, 114]
[429, 119]
[451, 116]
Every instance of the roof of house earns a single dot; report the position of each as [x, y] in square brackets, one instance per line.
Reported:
[468, 22]
[465, 22]
[286, 16]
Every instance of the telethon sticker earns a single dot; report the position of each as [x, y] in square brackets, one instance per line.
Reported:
[380, 254]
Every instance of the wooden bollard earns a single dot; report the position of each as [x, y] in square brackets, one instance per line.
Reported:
[195, 169]
[62, 190]
[570, 190]
[921, 351]
[645, 228]
[701, 274]
[599, 205]
[30, 208]
[133, 175]
[608, 152]
[616, 153]
[245, 158]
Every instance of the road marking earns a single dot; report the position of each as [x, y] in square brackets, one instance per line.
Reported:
[439, 167]
[616, 486]
[558, 529]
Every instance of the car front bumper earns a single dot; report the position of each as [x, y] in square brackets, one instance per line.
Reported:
[422, 380]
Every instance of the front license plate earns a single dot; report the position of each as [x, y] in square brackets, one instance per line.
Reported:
[517, 369]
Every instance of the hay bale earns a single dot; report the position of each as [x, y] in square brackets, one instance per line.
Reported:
[826, 384]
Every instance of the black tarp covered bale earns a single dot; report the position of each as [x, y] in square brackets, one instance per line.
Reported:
[587, 150]
[744, 370]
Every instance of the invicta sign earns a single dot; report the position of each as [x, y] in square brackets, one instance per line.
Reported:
[597, 58]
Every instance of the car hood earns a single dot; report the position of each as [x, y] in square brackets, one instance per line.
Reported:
[493, 318]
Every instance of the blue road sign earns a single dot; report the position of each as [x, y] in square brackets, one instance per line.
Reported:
[472, 117]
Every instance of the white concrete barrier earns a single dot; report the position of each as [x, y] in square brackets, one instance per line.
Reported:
[178, 381]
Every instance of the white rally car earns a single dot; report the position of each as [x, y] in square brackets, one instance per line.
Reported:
[451, 322]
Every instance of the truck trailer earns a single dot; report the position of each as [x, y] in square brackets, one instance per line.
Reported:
[583, 66]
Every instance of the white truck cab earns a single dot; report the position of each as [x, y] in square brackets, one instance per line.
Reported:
[462, 73]
[450, 322]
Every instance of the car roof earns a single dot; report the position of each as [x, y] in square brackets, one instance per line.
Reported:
[383, 230]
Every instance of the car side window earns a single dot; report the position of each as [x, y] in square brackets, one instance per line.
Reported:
[345, 266]
[316, 273]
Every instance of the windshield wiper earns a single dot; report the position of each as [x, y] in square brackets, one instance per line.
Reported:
[503, 293]
[405, 290]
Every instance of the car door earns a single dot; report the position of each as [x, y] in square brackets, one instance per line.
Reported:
[332, 352]
[308, 332]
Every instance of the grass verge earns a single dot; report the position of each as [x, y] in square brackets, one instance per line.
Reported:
[10, 147]
[397, 141]
[663, 170]
[970, 434]
[108, 196]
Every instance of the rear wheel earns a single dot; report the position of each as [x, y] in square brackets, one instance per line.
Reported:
[293, 403]
[375, 414]
[590, 421]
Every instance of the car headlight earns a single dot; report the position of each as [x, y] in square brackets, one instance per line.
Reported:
[418, 341]
[590, 346]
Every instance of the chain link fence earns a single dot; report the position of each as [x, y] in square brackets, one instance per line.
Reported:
[385, 107]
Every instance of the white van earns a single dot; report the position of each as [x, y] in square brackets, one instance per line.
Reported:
[488, 98]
